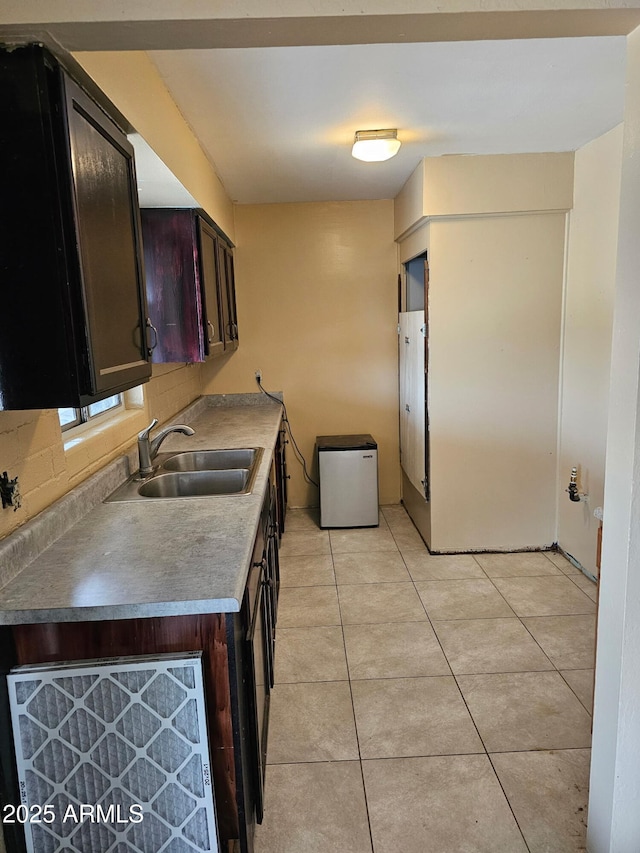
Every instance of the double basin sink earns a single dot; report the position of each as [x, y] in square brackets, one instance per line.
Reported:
[195, 474]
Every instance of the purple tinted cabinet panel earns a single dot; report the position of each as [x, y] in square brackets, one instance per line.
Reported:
[174, 288]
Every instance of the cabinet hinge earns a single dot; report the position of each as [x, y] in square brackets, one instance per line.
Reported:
[423, 329]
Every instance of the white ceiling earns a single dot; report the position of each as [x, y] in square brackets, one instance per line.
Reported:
[278, 122]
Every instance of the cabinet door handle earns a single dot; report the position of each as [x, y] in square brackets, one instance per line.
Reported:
[212, 331]
[152, 346]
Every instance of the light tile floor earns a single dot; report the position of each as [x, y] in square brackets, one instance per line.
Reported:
[426, 704]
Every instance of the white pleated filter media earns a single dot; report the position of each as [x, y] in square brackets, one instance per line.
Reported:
[112, 756]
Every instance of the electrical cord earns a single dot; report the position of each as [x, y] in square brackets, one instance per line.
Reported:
[285, 420]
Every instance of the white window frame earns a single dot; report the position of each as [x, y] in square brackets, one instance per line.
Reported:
[84, 415]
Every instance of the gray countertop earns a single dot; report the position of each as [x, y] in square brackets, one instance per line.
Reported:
[157, 557]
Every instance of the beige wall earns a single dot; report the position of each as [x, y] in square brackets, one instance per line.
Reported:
[495, 308]
[483, 184]
[317, 308]
[590, 290]
[495, 229]
[151, 110]
[32, 446]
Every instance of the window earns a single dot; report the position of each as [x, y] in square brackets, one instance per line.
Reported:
[73, 417]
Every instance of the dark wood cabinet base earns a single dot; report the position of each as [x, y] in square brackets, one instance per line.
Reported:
[218, 635]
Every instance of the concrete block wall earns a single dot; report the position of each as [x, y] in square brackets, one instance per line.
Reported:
[48, 464]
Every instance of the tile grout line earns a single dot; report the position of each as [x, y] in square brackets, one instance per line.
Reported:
[353, 707]
[355, 727]
[589, 711]
[486, 752]
[471, 717]
[495, 773]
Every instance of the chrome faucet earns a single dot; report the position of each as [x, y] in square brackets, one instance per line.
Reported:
[148, 449]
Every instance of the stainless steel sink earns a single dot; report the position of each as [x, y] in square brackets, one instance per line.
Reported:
[196, 484]
[194, 474]
[212, 460]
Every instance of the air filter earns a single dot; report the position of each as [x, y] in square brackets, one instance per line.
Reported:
[112, 756]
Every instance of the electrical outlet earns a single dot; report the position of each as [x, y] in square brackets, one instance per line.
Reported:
[258, 376]
[10, 492]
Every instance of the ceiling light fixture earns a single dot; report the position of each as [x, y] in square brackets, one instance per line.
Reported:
[372, 146]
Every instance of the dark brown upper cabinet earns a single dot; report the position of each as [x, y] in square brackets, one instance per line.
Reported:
[74, 326]
[228, 291]
[190, 285]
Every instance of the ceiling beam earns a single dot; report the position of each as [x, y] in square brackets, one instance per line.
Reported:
[218, 31]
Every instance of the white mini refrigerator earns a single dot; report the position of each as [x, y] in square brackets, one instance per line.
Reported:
[348, 469]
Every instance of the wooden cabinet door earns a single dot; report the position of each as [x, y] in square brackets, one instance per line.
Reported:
[107, 228]
[72, 299]
[226, 275]
[213, 312]
[189, 275]
[281, 478]
[173, 284]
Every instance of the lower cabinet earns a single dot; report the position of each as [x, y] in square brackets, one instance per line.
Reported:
[238, 653]
[113, 755]
[281, 478]
[260, 609]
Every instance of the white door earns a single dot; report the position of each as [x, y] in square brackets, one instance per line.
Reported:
[412, 398]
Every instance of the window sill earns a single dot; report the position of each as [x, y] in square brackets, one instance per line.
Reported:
[93, 445]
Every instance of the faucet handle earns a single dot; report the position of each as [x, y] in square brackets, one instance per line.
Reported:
[144, 435]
